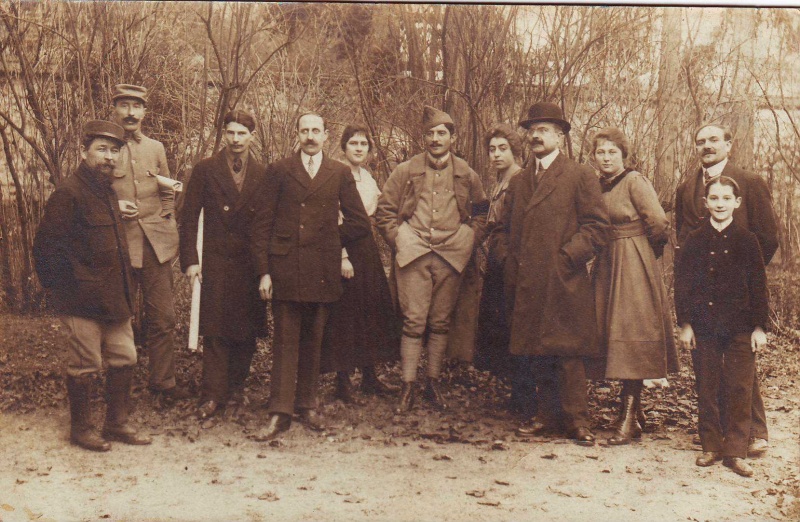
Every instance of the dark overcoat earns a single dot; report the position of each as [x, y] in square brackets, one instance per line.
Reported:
[230, 305]
[755, 213]
[81, 252]
[299, 230]
[547, 234]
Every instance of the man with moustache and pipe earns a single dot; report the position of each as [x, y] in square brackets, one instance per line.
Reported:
[432, 212]
[148, 211]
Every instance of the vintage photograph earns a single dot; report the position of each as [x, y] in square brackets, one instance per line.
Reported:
[320, 261]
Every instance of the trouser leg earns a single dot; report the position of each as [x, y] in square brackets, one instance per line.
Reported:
[216, 358]
[523, 385]
[546, 375]
[287, 318]
[758, 425]
[446, 283]
[315, 315]
[708, 374]
[410, 352]
[739, 367]
[572, 389]
[414, 290]
[241, 356]
[159, 313]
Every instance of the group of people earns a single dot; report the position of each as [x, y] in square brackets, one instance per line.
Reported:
[551, 279]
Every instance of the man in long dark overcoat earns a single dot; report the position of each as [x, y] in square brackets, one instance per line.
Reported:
[713, 144]
[299, 230]
[553, 223]
[232, 314]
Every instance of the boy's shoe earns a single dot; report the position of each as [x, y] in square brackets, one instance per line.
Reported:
[757, 448]
[738, 465]
[707, 458]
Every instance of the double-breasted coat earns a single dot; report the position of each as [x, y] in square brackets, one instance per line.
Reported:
[230, 305]
[298, 228]
[549, 230]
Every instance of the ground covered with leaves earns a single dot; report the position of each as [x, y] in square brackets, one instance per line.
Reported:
[462, 464]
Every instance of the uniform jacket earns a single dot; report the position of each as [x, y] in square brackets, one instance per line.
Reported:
[755, 214]
[135, 180]
[720, 282]
[546, 236]
[230, 305]
[401, 194]
[299, 231]
[80, 250]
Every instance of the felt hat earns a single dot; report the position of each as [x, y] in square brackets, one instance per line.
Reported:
[124, 90]
[432, 117]
[104, 129]
[545, 112]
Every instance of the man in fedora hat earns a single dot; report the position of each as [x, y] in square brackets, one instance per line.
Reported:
[432, 212]
[554, 221]
[148, 211]
[82, 257]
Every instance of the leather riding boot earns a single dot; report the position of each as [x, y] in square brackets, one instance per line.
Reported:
[344, 389]
[629, 428]
[433, 394]
[118, 396]
[82, 431]
[370, 383]
[406, 397]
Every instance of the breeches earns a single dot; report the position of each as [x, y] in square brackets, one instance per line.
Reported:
[91, 342]
[427, 289]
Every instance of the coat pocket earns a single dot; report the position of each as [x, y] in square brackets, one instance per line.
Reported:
[281, 244]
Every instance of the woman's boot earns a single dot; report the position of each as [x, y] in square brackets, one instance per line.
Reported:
[629, 428]
[344, 389]
[371, 384]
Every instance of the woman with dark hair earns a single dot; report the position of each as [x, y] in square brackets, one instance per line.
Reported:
[634, 322]
[363, 329]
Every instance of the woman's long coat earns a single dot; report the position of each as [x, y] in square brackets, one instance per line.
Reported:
[230, 305]
[549, 230]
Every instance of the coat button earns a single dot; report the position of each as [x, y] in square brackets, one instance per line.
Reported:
[302, 204]
[710, 303]
[726, 251]
[226, 208]
[302, 226]
[712, 252]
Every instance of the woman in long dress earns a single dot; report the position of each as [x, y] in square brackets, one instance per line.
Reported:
[363, 329]
[633, 314]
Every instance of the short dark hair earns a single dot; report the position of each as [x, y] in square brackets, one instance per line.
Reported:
[310, 113]
[615, 136]
[726, 131]
[353, 129]
[241, 117]
[725, 181]
[504, 130]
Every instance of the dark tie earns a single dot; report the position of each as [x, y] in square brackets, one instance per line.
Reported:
[237, 165]
[706, 177]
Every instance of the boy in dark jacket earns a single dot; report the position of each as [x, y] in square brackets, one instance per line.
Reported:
[722, 306]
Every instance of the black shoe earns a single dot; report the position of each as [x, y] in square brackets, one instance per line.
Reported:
[277, 424]
[707, 458]
[344, 390]
[531, 428]
[583, 436]
[207, 410]
[433, 394]
[738, 465]
[406, 397]
[173, 394]
[311, 419]
[372, 385]
[126, 434]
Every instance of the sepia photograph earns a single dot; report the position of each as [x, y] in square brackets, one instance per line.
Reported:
[345, 261]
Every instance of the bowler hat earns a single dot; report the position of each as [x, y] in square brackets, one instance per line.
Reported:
[124, 90]
[104, 129]
[431, 117]
[545, 112]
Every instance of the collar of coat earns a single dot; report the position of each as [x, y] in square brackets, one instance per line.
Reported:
[418, 163]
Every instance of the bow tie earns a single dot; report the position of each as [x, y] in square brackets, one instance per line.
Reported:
[237, 165]
[133, 136]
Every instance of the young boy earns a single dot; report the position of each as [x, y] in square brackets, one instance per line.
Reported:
[721, 305]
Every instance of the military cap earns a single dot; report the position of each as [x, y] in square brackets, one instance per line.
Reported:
[124, 90]
[104, 129]
[432, 117]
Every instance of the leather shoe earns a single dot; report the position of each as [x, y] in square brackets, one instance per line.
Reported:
[531, 428]
[738, 465]
[696, 440]
[583, 436]
[172, 394]
[277, 424]
[757, 448]
[433, 394]
[406, 398]
[372, 385]
[207, 410]
[707, 458]
[311, 419]
[344, 390]
[126, 434]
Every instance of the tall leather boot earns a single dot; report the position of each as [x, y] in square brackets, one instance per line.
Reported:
[82, 431]
[118, 397]
[406, 397]
[433, 394]
[629, 428]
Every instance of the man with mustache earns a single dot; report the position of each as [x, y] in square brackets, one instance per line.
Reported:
[148, 211]
[82, 257]
[432, 212]
[298, 229]
[713, 144]
[553, 222]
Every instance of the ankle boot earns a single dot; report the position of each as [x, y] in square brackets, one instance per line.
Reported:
[118, 396]
[629, 428]
[406, 398]
[370, 383]
[433, 394]
[82, 431]
[344, 389]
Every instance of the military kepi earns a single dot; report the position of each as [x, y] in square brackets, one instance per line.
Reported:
[545, 112]
[432, 117]
[104, 129]
[124, 90]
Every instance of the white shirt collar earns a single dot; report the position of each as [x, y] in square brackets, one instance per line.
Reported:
[549, 159]
[721, 226]
[317, 159]
[715, 170]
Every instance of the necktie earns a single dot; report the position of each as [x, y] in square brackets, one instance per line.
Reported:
[311, 166]
[237, 165]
